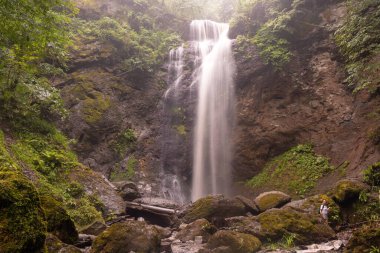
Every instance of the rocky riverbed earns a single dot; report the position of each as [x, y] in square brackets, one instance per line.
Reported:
[272, 222]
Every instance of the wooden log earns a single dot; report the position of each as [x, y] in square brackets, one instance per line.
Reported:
[155, 209]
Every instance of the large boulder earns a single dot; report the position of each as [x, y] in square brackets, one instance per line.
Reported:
[364, 239]
[249, 204]
[233, 242]
[59, 222]
[201, 227]
[348, 191]
[273, 199]
[276, 223]
[22, 224]
[96, 184]
[128, 236]
[214, 208]
[312, 204]
[128, 190]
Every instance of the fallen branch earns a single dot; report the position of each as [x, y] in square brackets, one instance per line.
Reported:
[155, 209]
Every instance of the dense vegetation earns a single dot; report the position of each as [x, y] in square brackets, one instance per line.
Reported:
[299, 166]
[359, 42]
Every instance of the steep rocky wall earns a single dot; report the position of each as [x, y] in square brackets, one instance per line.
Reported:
[114, 112]
[307, 102]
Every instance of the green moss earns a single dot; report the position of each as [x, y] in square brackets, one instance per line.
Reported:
[277, 223]
[128, 236]
[299, 166]
[202, 208]
[348, 191]
[48, 158]
[181, 130]
[127, 173]
[372, 175]
[83, 212]
[94, 107]
[6, 161]
[22, 225]
[125, 142]
[59, 222]
[271, 200]
[235, 241]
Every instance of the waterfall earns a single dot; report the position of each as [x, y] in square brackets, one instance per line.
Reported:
[212, 148]
[200, 75]
[171, 185]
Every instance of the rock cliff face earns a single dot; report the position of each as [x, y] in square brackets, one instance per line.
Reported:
[308, 102]
[115, 111]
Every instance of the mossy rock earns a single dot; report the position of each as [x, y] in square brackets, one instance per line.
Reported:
[235, 242]
[277, 223]
[214, 208]
[348, 191]
[273, 199]
[22, 224]
[128, 236]
[59, 222]
[201, 227]
[53, 245]
[365, 239]
[312, 204]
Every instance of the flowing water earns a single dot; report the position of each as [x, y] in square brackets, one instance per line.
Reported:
[215, 110]
[171, 185]
[201, 72]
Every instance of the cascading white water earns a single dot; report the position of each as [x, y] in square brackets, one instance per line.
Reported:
[215, 109]
[175, 70]
[171, 185]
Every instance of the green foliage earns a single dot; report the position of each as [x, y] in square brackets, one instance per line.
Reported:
[32, 32]
[269, 32]
[273, 49]
[47, 156]
[359, 42]
[218, 10]
[125, 142]
[141, 49]
[299, 166]
[288, 240]
[83, 212]
[127, 172]
[372, 175]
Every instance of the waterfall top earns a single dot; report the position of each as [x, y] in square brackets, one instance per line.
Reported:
[204, 30]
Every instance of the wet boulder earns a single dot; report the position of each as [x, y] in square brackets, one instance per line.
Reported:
[273, 199]
[347, 191]
[128, 190]
[201, 227]
[233, 242]
[128, 236]
[214, 208]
